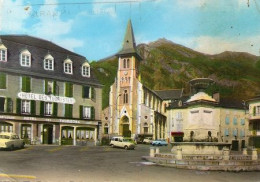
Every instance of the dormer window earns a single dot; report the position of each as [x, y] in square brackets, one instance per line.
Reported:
[68, 66]
[25, 58]
[3, 53]
[85, 70]
[48, 62]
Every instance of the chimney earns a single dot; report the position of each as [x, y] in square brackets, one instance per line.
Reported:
[216, 96]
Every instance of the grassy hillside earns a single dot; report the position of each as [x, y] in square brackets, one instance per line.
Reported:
[167, 65]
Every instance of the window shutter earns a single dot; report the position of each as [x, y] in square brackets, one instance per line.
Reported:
[68, 89]
[92, 113]
[55, 109]
[2, 81]
[81, 112]
[46, 86]
[42, 108]
[83, 95]
[9, 105]
[24, 84]
[33, 107]
[93, 93]
[54, 87]
[68, 110]
[18, 106]
[71, 90]
[28, 84]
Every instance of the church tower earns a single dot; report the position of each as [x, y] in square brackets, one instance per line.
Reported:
[127, 80]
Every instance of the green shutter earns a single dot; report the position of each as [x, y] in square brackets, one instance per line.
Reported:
[254, 110]
[42, 108]
[46, 86]
[26, 84]
[68, 110]
[33, 105]
[54, 87]
[71, 90]
[93, 93]
[18, 106]
[55, 109]
[2, 81]
[68, 89]
[81, 112]
[92, 113]
[83, 91]
[9, 105]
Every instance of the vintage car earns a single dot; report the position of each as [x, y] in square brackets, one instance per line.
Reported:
[122, 142]
[148, 140]
[10, 141]
[160, 142]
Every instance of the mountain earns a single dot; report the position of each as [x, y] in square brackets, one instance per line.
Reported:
[167, 65]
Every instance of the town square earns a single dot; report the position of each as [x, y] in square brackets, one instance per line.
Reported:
[138, 90]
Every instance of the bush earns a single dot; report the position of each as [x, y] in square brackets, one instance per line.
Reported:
[105, 141]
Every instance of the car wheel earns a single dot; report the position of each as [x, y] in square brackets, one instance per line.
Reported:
[112, 146]
[12, 147]
[126, 147]
[159, 144]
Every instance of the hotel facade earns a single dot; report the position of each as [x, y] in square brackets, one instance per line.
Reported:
[48, 95]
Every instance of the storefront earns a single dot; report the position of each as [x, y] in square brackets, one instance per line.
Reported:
[37, 130]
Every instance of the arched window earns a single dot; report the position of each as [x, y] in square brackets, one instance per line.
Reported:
[3, 52]
[68, 66]
[124, 63]
[106, 128]
[125, 97]
[85, 70]
[48, 62]
[25, 58]
[127, 63]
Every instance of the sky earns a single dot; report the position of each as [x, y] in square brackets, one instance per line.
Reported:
[96, 28]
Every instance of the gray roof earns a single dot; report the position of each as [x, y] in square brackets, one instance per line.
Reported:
[129, 45]
[39, 48]
[170, 94]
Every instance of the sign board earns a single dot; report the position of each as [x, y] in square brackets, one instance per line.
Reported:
[46, 98]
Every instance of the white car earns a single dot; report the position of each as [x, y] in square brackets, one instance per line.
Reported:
[122, 142]
[10, 141]
[148, 140]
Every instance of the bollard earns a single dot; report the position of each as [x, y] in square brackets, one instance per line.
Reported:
[151, 152]
[244, 151]
[225, 154]
[157, 150]
[179, 153]
[254, 154]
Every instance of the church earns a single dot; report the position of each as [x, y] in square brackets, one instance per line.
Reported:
[134, 110]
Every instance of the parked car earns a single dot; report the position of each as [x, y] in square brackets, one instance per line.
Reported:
[10, 141]
[148, 140]
[122, 142]
[159, 142]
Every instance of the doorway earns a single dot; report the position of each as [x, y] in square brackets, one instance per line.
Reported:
[125, 127]
[47, 134]
[235, 145]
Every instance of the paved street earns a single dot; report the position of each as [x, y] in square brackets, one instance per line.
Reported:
[75, 163]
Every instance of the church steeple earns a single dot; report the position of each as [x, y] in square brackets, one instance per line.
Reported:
[129, 45]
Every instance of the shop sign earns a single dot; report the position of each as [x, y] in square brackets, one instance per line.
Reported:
[46, 98]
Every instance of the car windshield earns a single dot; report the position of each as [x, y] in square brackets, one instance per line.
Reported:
[4, 137]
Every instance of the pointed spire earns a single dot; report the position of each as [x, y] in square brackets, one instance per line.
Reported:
[129, 46]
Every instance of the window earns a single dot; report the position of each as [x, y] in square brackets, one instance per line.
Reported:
[25, 58]
[234, 121]
[242, 133]
[227, 120]
[6, 127]
[48, 108]
[3, 54]
[88, 92]
[126, 63]
[49, 87]
[48, 62]
[2, 81]
[242, 121]
[226, 132]
[125, 97]
[87, 112]
[85, 70]
[68, 66]
[145, 128]
[26, 131]
[234, 132]
[26, 106]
